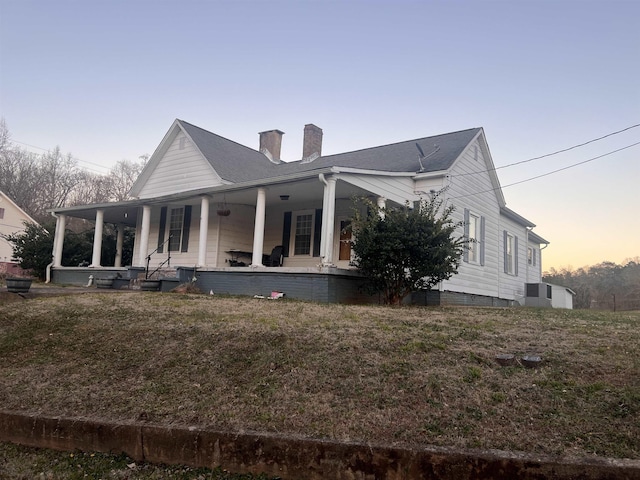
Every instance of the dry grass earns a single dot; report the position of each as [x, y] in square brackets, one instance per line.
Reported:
[402, 376]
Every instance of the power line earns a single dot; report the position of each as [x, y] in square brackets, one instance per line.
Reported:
[551, 172]
[75, 158]
[550, 154]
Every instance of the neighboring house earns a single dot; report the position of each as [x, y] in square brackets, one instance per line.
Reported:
[12, 219]
[210, 209]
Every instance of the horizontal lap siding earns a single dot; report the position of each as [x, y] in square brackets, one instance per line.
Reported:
[180, 170]
[396, 189]
[469, 186]
[511, 285]
[236, 233]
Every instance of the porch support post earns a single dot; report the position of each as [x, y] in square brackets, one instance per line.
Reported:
[204, 230]
[97, 239]
[145, 227]
[329, 206]
[382, 203]
[59, 240]
[258, 230]
[119, 242]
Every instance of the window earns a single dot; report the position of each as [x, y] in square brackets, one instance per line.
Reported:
[174, 226]
[1, 212]
[176, 219]
[531, 256]
[474, 232]
[303, 234]
[473, 238]
[510, 253]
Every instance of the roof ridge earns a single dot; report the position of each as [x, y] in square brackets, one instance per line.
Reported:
[396, 143]
[219, 136]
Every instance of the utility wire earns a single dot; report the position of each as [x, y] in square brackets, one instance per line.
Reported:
[550, 154]
[550, 173]
[75, 158]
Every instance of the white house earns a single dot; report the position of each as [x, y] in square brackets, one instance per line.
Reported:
[208, 208]
[12, 219]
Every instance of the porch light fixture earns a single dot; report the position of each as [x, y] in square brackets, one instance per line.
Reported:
[284, 197]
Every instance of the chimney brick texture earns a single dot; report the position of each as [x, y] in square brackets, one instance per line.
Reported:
[312, 141]
[271, 140]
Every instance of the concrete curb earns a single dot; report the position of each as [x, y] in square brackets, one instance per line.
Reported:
[296, 458]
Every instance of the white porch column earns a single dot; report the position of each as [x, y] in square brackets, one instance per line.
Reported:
[119, 242]
[145, 227]
[258, 230]
[329, 206]
[97, 239]
[204, 230]
[382, 203]
[58, 240]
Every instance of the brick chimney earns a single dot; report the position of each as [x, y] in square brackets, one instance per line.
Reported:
[312, 145]
[271, 143]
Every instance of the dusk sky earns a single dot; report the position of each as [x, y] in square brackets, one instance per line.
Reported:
[105, 80]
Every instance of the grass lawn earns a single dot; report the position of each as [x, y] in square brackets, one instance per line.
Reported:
[410, 376]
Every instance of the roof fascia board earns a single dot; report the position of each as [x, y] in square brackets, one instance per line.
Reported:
[159, 152]
[491, 169]
[535, 238]
[154, 159]
[19, 209]
[510, 214]
[383, 173]
[213, 170]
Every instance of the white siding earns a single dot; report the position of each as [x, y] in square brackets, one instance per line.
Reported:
[179, 170]
[470, 186]
[236, 233]
[12, 222]
[395, 189]
[512, 284]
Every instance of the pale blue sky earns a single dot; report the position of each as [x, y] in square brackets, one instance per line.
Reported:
[105, 80]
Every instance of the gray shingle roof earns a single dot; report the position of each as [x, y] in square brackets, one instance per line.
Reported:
[237, 163]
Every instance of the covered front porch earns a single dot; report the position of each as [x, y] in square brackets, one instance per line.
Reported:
[226, 237]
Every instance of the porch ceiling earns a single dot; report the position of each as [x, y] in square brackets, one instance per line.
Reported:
[298, 192]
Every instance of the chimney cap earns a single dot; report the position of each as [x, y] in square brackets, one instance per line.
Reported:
[274, 130]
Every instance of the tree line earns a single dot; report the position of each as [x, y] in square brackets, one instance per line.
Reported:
[38, 182]
[605, 286]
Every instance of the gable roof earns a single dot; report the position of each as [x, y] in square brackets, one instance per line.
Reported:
[237, 163]
[234, 163]
[18, 209]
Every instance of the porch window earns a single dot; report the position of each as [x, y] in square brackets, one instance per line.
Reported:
[303, 233]
[176, 220]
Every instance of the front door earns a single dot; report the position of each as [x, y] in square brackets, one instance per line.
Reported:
[345, 240]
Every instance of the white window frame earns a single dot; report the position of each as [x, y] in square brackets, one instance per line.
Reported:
[171, 246]
[294, 223]
[474, 238]
[510, 254]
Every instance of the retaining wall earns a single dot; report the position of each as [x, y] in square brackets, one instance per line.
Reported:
[297, 458]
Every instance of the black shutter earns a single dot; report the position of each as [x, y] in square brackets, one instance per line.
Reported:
[504, 254]
[163, 225]
[515, 255]
[482, 242]
[317, 233]
[286, 234]
[186, 225]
